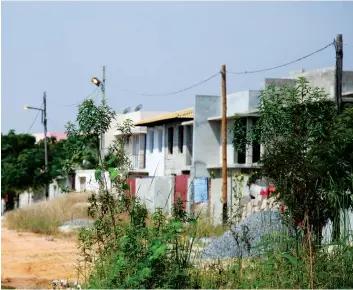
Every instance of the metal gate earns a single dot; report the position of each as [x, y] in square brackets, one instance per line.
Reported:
[131, 182]
[181, 189]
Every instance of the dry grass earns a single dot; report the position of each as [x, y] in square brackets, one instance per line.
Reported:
[46, 216]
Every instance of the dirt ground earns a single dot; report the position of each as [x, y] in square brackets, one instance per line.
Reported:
[33, 261]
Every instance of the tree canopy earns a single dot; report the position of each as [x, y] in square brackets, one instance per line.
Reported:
[308, 151]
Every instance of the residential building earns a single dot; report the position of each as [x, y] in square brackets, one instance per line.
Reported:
[323, 78]
[169, 145]
[207, 155]
[136, 145]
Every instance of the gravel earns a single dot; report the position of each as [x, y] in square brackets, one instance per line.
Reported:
[258, 225]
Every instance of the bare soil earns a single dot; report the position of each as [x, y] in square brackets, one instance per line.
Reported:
[32, 261]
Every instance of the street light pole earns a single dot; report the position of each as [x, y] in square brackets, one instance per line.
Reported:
[44, 121]
[44, 112]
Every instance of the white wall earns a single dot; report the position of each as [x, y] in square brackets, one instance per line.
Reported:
[216, 206]
[91, 185]
[155, 160]
[156, 192]
[109, 137]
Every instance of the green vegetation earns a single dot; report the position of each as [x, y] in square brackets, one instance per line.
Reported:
[308, 158]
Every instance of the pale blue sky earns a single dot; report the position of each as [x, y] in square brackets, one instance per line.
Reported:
[154, 47]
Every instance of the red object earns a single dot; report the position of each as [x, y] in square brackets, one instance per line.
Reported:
[131, 182]
[181, 188]
[283, 208]
[300, 225]
[264, 192]
[272, 189]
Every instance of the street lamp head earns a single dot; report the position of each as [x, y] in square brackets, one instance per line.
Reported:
[96, 81]
[25, 107]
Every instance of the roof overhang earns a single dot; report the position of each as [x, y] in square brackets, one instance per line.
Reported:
[247, 114]
[187, 123]
[134, 131]
[183, 115]
[233, 166]
[347, 97]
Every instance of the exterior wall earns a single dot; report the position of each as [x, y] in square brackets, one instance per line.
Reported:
[206, 134]
[156, 192]
[113, 133]
[155, 157]
[109, 137]
[90, 184]
[174, 163]
[323, 78]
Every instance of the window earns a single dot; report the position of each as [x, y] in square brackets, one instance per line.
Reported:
[181, 139]
[160, 139]
[255, 146]
[170, 139]
[151, 140]
[241, 148]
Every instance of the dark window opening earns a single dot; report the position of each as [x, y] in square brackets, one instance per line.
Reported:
[181, 138]
[241, 148]
[170, 140]
[256, 149]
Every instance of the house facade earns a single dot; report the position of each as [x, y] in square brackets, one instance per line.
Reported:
[169, 143]
[207, 157]
[135, 146]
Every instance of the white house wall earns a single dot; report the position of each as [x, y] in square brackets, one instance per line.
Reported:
[156, 192]
[155, 160]
[90, 185]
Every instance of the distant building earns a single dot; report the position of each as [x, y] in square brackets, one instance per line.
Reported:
[59, 136]
[169, 143]
[136, 146]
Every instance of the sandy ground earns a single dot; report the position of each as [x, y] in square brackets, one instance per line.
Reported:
[33, 261]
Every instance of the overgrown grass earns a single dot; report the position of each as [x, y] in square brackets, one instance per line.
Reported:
[46, 216]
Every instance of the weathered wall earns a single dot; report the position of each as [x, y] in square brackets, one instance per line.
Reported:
[156, 192]
[206, 134]
[91, 185]
[323, 78]
[155, 159]
[176, 162]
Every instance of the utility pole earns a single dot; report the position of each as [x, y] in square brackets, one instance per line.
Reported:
[101, 143]
[44, 112]
[339, 71]
[224, 145]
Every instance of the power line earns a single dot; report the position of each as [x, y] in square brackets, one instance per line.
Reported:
[35, 119]
[282, 65]
[75, 104]
[175, 92]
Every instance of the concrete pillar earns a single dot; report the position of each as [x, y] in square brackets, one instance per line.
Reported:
[142, 151]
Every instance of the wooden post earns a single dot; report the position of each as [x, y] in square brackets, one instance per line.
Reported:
[339, 71]
[224, 145]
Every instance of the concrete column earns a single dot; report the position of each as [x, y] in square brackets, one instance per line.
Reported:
[142, 151]
[187, 144]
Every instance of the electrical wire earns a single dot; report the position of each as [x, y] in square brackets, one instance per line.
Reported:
[35, 119]
[282, 65]
[75, 104]
[175, 92]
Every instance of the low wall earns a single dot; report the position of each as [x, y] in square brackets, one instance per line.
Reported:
[156, 192]
[85, 181]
